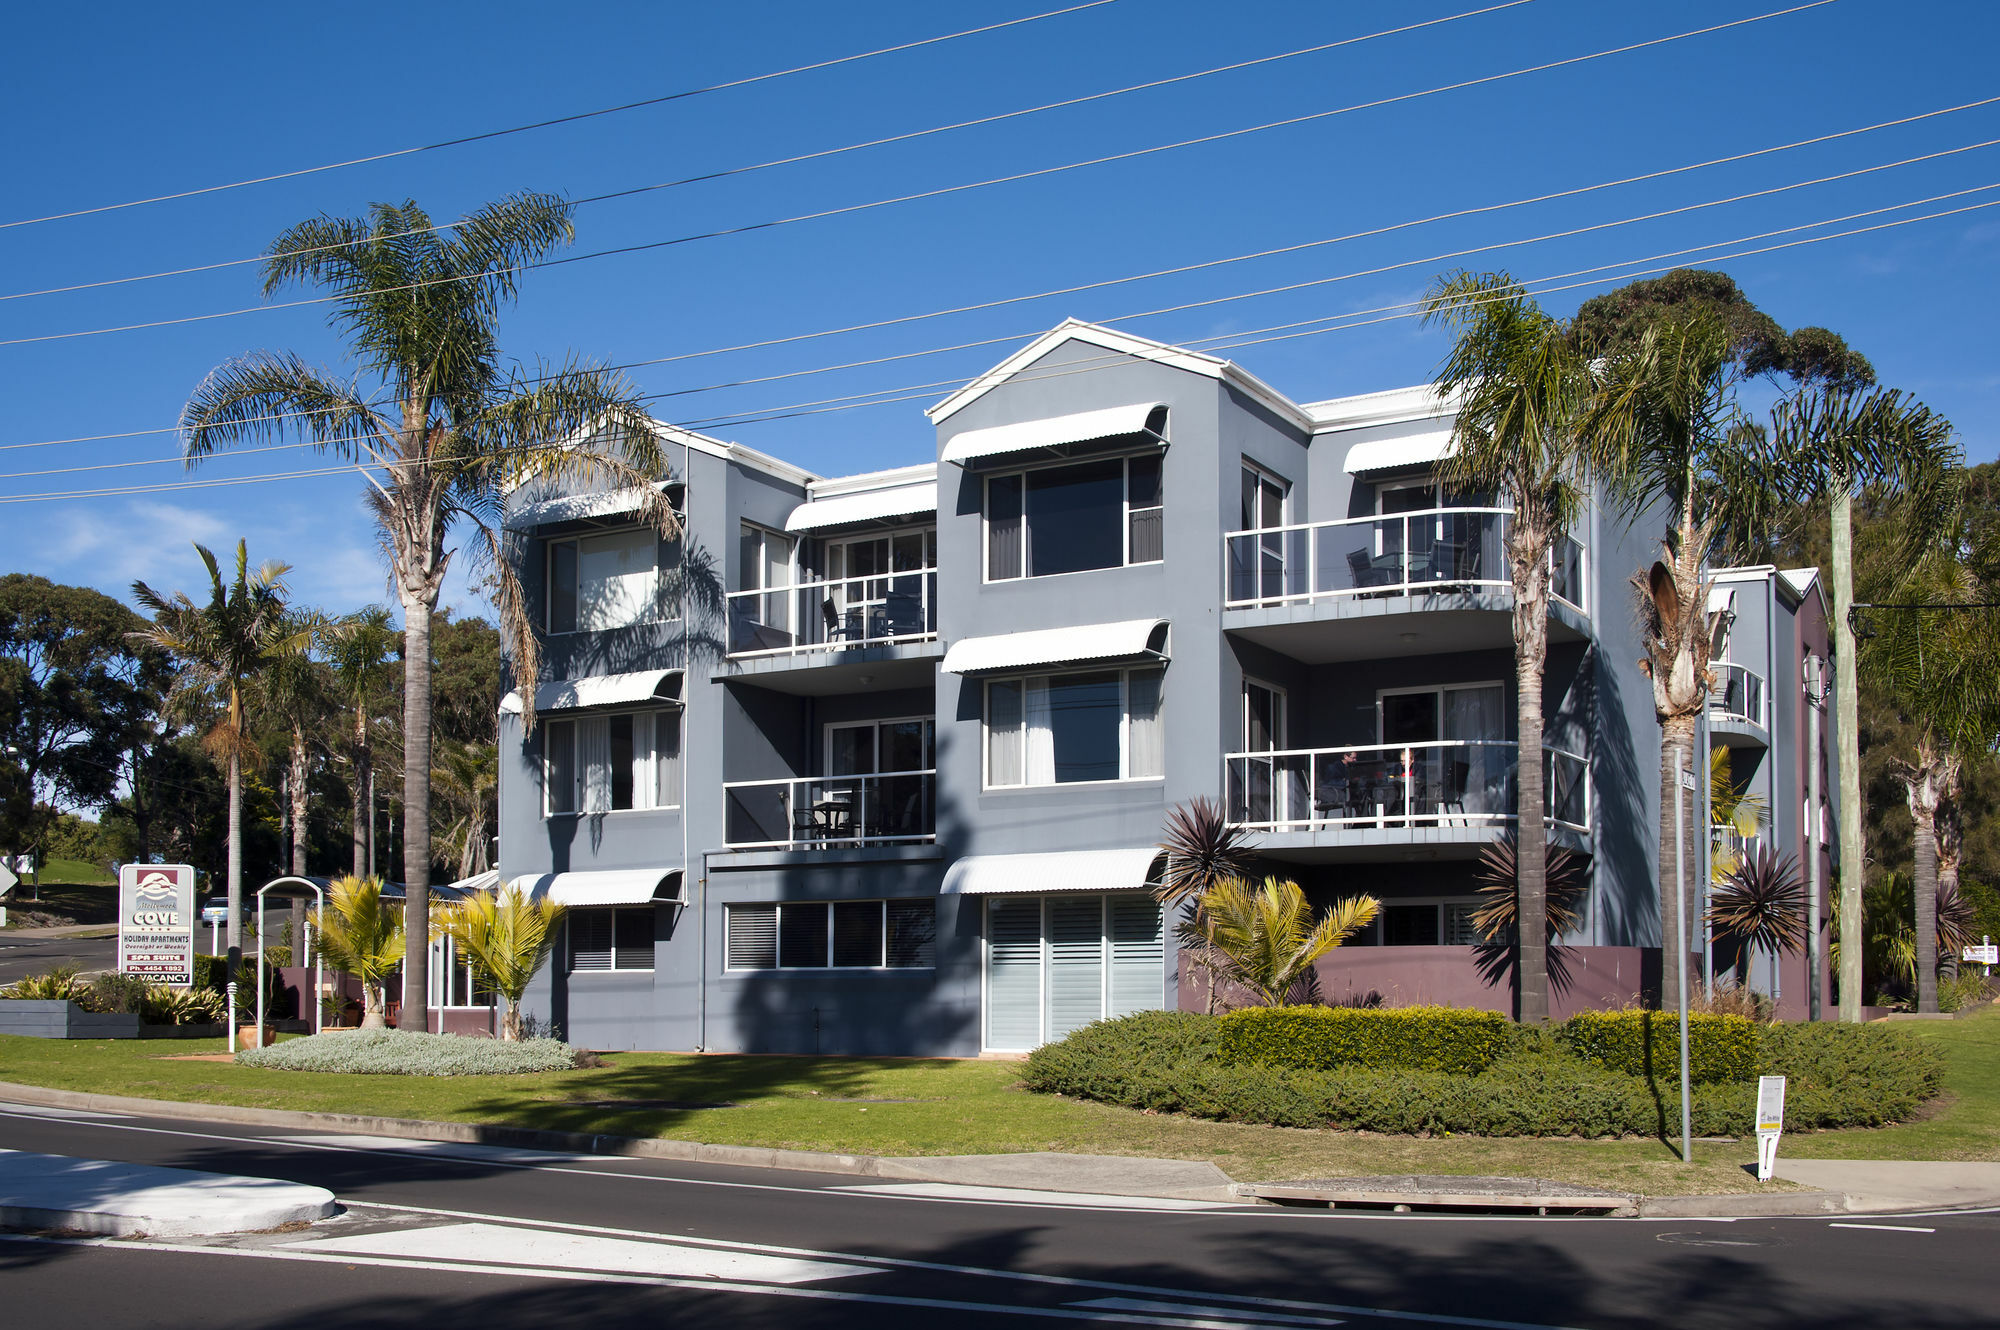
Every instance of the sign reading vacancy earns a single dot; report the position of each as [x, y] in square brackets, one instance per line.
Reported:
[156, 919]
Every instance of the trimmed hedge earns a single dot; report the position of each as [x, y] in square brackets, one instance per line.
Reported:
[1447, 1039]
[1171, 1062]
[408, 1053]
[1648, 1043]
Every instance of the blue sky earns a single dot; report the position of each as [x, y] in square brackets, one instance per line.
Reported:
[110, 103]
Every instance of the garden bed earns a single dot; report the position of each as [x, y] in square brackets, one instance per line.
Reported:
[408, 1053]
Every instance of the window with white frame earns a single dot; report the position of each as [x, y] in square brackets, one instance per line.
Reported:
[610, 937]
[1103, 513]
[764, 559]
[605, 581]
[453, 982]
[831, 935]
[1062, 729]
[612, 763]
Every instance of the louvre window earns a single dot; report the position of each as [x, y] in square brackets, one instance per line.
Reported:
[610, 938]
[1056, 963]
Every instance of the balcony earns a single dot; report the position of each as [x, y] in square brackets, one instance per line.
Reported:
[831, 812]
[1372, 574]
[1450, 792]
[837, 634]
[1737, 715]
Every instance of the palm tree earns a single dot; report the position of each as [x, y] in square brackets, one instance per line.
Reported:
[420, 305]
[1525, 430]
[464, 784]
[1674, 452]
[506, 935]
[1942, 670]
[292, 692]
[362, 934]
[1264, 938]
[1732, 809]
[1202, 847]
[1762, 904]
[1827, 442]
[221, 646]
[361, 649]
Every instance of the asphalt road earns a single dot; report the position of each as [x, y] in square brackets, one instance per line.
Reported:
[501, 1239]
[23, 956]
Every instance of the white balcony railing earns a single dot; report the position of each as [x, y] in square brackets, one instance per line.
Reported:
[1738, 693]
[824, 812]
[1405, 554]
[1453, 782]
[835, 614]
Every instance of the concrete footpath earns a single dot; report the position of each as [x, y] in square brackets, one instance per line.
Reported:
[1836, 1186]
[97, 1196]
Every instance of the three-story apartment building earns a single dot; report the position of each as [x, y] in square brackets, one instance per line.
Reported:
[878, 764]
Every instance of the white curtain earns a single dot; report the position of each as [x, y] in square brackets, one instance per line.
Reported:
[616, 579]
[666, 759]
[1480, 713]
[1475, 713]
[1147, 748]
[594, 756]
[1041, 737]
[1003, 733]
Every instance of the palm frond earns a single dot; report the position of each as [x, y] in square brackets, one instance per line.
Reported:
[1762, 904]
[1499, 914]
[267, 395]
[507, 936]
[1263, 939]
[1202, 848]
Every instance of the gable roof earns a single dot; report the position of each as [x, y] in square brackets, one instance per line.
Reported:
[1128, 344]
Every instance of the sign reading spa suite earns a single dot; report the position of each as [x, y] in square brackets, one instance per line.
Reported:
[156, 922]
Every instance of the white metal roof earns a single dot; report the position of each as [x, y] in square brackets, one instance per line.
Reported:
[1124, 640]
[1721, 600]
[866, 506]
[1410, 450]
[624, 886]
[1072, 870]
[602, 690]
[486, 881]
[1050, 433]
[576, 507]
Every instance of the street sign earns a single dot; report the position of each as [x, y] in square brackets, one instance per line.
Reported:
[1986, 954]
[1770, 1123]
[7, 879]
[1687, 780]
[156, 922]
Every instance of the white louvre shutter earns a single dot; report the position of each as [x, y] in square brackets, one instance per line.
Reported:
[1138, 955]
[1013, 972]
[1076, 962]
[753, 937]
[590, 939]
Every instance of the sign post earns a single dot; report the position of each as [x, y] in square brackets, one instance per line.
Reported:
[1770, 1123]
[156, 923]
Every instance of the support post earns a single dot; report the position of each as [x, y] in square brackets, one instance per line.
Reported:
[1685, 779]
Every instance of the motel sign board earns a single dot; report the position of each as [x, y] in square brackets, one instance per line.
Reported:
[156, 920]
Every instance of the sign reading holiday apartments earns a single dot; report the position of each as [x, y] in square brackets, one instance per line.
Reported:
[156, 920]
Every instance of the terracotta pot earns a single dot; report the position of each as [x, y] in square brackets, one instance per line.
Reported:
[247, 1036]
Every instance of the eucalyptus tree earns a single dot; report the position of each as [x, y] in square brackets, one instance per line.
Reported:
[294, 691]
[361, 649]
[439, 427]
[1827, 442]
[221, 646]
[1527, 401]
[1941, 669]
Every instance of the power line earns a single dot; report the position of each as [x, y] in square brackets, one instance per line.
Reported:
[827, 152]
[1409, 308]
[940, 192]
[545, 124]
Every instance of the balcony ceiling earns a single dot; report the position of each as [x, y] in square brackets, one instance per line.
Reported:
[828, 673]
[1325, 632]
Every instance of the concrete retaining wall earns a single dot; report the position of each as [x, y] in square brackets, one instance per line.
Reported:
[63, 1020]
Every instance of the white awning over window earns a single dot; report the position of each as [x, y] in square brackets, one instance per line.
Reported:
[601, 690]
[486, 881]
[575, 508]
[1130, 639]
[1033, 874]
[1389, 454]
[625, 886]
[867, 506]
[1721, 600]
[1056, 431]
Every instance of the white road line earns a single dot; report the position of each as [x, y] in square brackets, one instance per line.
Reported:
[1887, 1228]
[500, 1244]
[453, 1149]
[658, 1281]
[952, 1191]
[1236, 1315]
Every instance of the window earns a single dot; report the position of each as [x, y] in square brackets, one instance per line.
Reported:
[612, 763]
[838, 935]
[1056, 963]
[765, 559]
[1061, 729]
[1426, 924]
[616, 937]
[1104, 513]
[453, 982]
[600, 582]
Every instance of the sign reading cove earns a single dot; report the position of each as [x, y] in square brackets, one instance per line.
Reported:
[156, 919]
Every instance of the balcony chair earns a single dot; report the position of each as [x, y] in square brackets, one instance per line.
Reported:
[837, 628]
[903, 613]
[1362, 568]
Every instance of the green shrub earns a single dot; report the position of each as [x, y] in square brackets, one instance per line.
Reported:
[1965, 989]
[1849, 1075]
[1648, 1043]
[408, 1053]
[58, 985]
[1445, 1039]
[126, 994]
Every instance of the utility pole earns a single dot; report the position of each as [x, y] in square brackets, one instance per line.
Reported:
[1847, 735]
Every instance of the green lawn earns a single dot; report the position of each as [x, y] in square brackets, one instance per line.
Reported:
[899, 1107]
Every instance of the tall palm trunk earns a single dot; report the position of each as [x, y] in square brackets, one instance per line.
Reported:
[417, 611]
[1529, 557]
[1677, 740]
[297, 790]
[1923, 789]
[235, 871]
[1847, 738]
[1950, 852]
[364, 811]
